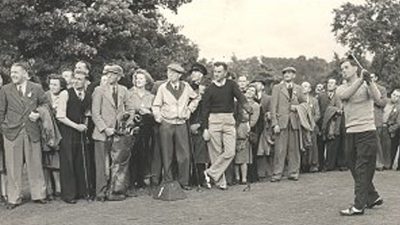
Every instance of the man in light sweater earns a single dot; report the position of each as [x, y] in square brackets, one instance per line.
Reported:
[358, 95]
[219, 124]
[174, 103]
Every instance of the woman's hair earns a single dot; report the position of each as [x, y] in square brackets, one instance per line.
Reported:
[147, 76]
[253, 85]
[63, 82]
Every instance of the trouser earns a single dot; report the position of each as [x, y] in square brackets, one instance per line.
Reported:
[393, 149]
[140, 163]
[310, 156]
[156, 162]
[90, 158]
[265, 165]
[361, 159]
[287, 148]
[3, 185]
[321, 151]
[16, 151]
[73, 174]
[221, 146]
[252, 174]
[102, 161]
[332, 149]
[335, 156]
[383, 156]
[174, 141]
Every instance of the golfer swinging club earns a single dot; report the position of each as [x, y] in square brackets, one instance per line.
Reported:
[361, 142]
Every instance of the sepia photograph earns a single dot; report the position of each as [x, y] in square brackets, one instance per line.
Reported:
[199, 112]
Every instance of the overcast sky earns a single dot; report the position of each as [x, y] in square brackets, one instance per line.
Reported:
[274, 28]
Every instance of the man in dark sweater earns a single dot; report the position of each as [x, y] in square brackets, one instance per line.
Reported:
[219, 123]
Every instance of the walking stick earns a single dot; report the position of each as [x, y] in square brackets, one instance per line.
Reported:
[83, 143]
[196, 172]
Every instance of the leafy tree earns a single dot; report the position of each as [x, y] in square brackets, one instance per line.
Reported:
[51, 33]
[372, 27]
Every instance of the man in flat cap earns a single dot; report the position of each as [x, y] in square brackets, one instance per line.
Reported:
[108, 103]
[285, 97]
[174, 103]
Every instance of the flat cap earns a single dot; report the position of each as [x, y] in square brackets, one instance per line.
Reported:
[287, 69]
[176, 67]
[199, 67]
[113, 69]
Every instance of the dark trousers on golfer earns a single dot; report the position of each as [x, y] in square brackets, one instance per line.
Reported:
[174, 140]
[73, 174]
[361, 151]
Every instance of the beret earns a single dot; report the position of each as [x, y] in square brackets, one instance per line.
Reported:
[199, 67]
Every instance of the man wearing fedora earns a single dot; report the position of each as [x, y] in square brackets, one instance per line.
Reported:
[285, 97]
[174, 103]
[108, 104]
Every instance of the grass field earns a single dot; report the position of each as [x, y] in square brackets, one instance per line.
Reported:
[314, 199]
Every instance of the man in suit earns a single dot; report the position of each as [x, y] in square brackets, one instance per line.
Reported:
[19, 125]
[108, 104]
[310, 158]
[334, 156]
[379, 106]
[391, 135]
[285, 97]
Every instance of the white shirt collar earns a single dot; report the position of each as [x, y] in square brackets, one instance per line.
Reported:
[220, 84]
[289, 85]
[22, 87]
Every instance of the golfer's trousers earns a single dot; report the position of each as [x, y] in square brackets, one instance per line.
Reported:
[221, 146]
[360, 149]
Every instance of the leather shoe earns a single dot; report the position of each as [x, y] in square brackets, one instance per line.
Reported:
[40, 201]
[274, 179]
[11, 206]
[293, 178]
[377, 202]
[73, 201]
[101, 198]
[351, 212]
[222, 188]
[116, 197]
[186, 187]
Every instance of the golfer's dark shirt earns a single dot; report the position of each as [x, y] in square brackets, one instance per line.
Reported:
[220, 99]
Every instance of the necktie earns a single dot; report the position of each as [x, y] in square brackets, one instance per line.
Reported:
[330, 95]
[20, 91]
[290, 89]
[80, 95]
[115, 95]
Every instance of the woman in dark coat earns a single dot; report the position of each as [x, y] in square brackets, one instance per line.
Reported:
[139, 102]
[51, 157]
